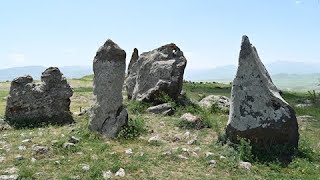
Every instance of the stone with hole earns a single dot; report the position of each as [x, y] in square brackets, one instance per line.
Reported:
[155, 73]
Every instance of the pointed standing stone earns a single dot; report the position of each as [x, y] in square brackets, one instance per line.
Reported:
[108, 112]
[132, 73]
[258, 112]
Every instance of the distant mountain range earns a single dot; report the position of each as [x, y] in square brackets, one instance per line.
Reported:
[228, 72]
[35, 71]
[296, 76]
[286, 75]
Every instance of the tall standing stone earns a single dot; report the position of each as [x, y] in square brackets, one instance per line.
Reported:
[30, 104]
[132, 73]
[157, 72]
[108, 113]
[258, 112]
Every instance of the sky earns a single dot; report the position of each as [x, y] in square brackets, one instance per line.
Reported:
[67, 33]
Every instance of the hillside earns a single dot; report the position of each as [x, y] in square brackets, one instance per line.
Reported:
[93, 156]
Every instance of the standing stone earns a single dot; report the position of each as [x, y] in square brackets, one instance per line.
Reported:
[108, 113]
[132, 73]
[30, 104]
[156, 72]
[258, 112]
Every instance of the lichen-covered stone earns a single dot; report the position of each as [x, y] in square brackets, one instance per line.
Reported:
[258, 112]
[108, 113]
[30, 104]
[157, 72]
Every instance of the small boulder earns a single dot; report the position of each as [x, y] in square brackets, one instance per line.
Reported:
[155, 139]
[128, 151]
[106, 174]
[212, 163]
[180, 156]
[120, 173]
[9, 177]
[245, 165]
[19, 157]
[68, 145]
[37, 149]
[74, 140]
[221, 102]
[165, 109]
[85, 167]
[192, 120]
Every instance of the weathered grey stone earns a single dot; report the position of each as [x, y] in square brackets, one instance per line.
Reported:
[38, 149]
[108, 113]
[221, 102]
[258, 112]
[245, 165]
[156, 72]
[155, 139]
[68, 145]
[107, 174]
[132, 73]
[189, 118]
[303, 105]
[120, 173]
[9, 177]
[160, 109]
[30, 104]
[74, 140]
[193, 120]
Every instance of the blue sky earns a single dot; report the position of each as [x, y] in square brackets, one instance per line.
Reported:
[64, 33]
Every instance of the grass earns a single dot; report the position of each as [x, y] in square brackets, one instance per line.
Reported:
[147, 161]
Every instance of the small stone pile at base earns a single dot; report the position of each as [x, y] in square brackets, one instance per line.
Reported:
[108, 113]
[31, 105]
[258, 112]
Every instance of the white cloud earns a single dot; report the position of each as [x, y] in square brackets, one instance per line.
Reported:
[298, 2]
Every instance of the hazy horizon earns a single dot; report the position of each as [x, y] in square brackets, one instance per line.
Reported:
[64, 33]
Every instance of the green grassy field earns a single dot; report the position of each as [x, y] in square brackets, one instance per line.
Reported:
[147, 160]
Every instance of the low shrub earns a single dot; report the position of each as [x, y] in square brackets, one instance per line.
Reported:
[134, 129]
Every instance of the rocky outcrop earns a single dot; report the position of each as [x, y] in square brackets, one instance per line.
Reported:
[108, 113]
[221, 102]
[258, 112]
[156, 72]
[30, 104]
